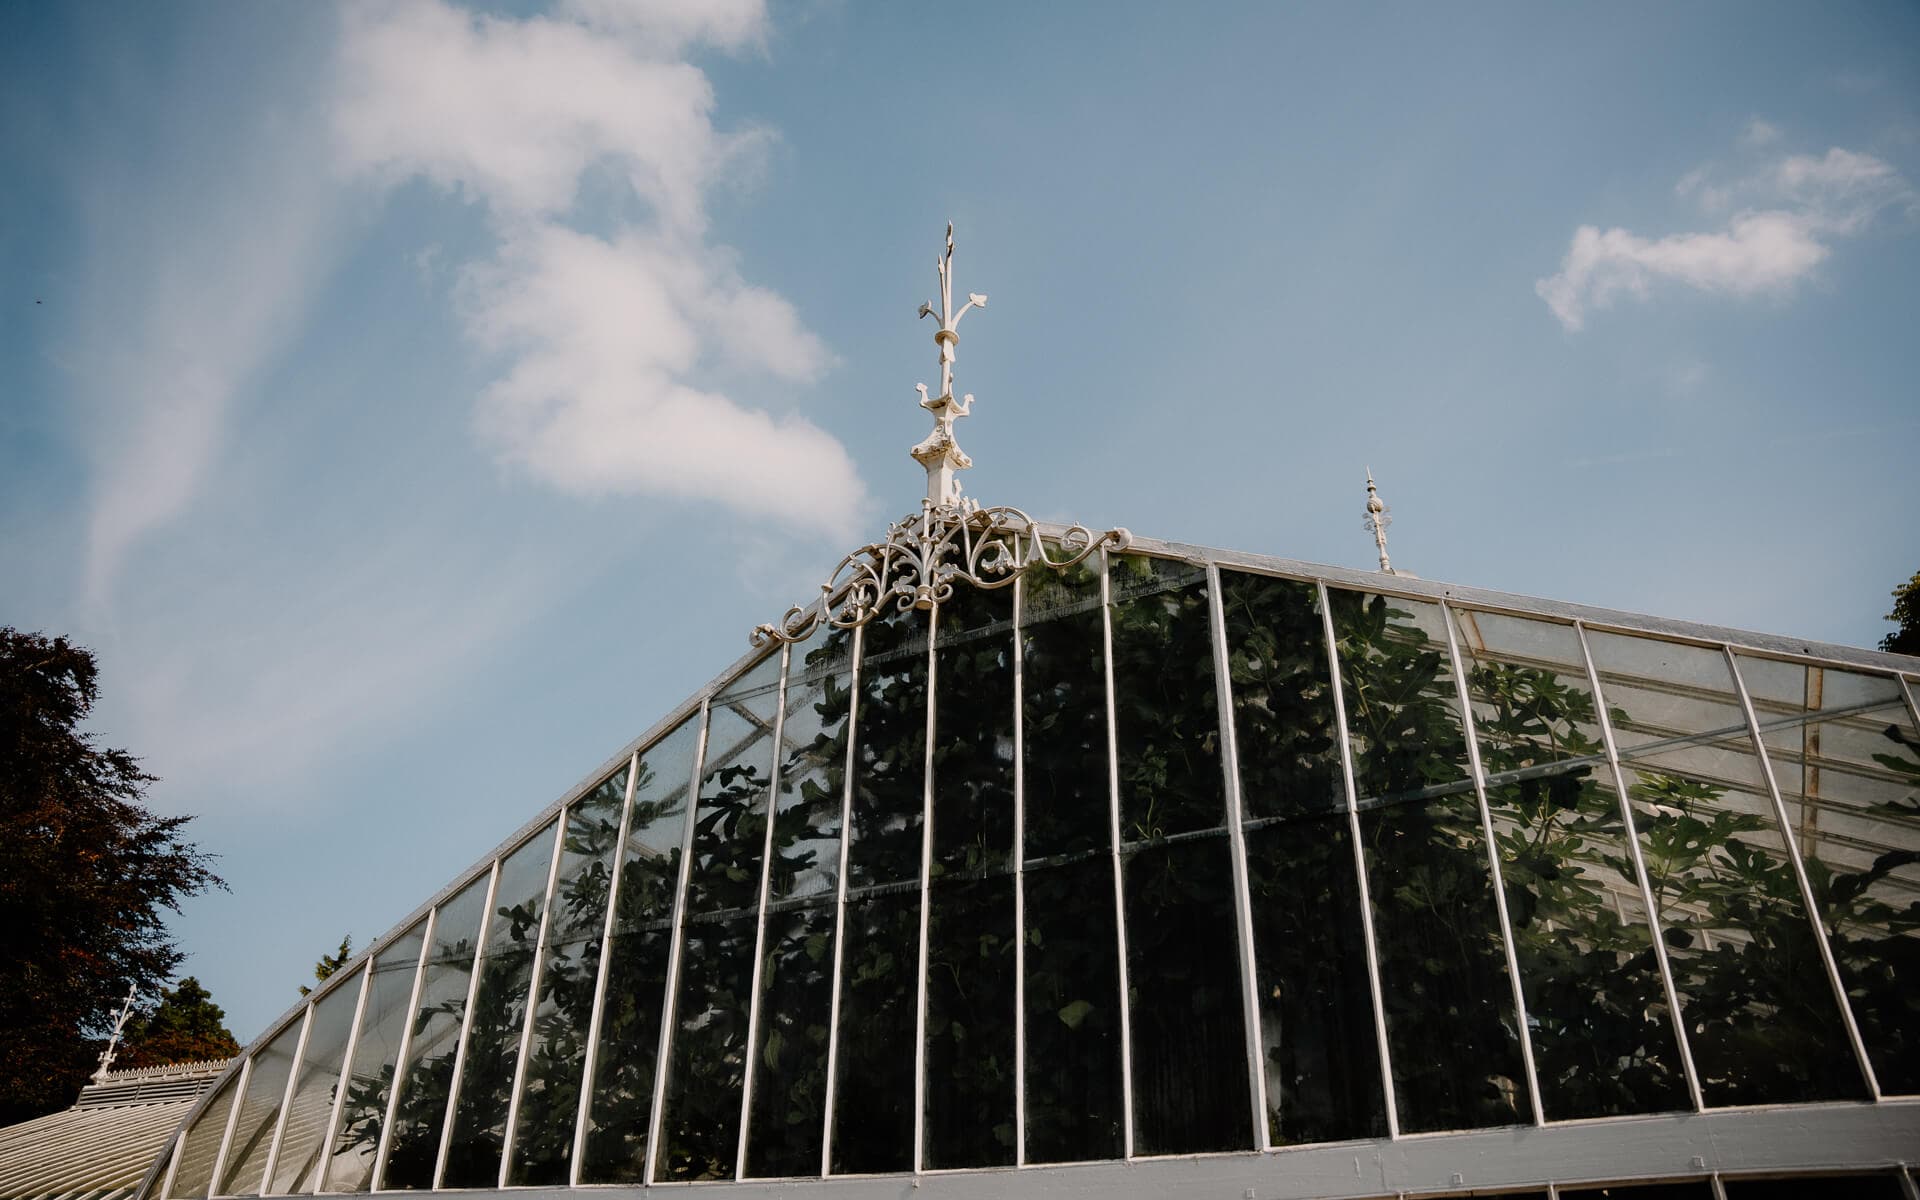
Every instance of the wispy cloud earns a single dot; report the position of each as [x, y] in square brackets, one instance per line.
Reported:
[1780, 221]
[611, 344]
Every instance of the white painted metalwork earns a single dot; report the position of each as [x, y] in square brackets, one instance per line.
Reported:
[379, 1176]
[332, 1129]
[760, 915]
[1119, 891]
[674, 932]
[233, 1119]
[1655, 929]
[939, 453]
[286, 1101]
[1378, 517]
[830, 1095]
[533, 991]
[926, 883]
[1807, 897]
[1471, 730]
[1019, 880]
[466, 1023]
[1237, 840]
[591, 1058]
[113, 1039]
[1359, 863]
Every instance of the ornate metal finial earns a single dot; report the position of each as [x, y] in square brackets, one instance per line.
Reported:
[113, 1042]
[950, 540]
[1379, 516]
[940, 454]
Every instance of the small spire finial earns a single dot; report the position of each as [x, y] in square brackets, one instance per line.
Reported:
[939, 453]
[113, 1042]
[1379, 516]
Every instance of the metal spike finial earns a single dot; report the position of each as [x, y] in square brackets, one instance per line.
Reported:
[1379, 516]
[113, 1042]
[939, 453]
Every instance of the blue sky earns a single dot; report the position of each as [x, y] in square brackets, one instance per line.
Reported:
[410, 404]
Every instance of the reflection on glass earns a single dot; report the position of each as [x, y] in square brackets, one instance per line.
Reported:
[700, 1126]
[499, 1018]
[890, 752]
[1688, 1189]
[1603, 1040]
[193, 1177]
[970, 1097]
[259, 1112]
[1846, 757]
[1454, 1043]
[1799, 1187]
[1073, 1013]
[1188, 1023]
[621, 1104]
[806, 833]
[729, 828]
[1165, 707]
[427, 1075]
[363, 1110]
[873, 1089]
[1760, 1014]
[1319, 1052]
[298, 1164]
[1065, 714]
[550, 1094]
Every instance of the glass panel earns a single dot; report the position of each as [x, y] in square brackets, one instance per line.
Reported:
[806, 831]
[246, 1163]
[428, 1072]
[370, 1080]
[1603, 1040]
[297, 1168]
[1847, 759]
[1799, 1187]
[622, 1103]
[194, 1176]
[550, 1095]
[970, 1096]
[1690, 1189]
[1074, 1104]
[1759, 1010]
[499, 1016]
[1449, 1006]
[873, 1113]
[1319, 1051]
[1188, 1022]
[890, 752]
[700, 1127]
[1167, 723]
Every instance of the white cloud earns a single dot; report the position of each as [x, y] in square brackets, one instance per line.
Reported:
[611, 343]
[1793, 209]
[1759, 133]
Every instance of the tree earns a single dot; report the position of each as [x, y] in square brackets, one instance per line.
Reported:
[329, 963]
[186, 1026]
[85, 872]
[1906, 614]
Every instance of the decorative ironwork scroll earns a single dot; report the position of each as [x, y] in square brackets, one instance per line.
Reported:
[926, 554]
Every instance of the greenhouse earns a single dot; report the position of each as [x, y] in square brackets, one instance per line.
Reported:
[1030, 860]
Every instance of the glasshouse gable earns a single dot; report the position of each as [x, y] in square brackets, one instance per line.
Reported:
[1039, 860]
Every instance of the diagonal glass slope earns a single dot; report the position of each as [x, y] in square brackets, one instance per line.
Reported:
[1173, 852]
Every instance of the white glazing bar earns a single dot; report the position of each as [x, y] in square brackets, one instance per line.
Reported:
[226, 1134]
[760, 923]
[1019, 885]
[400, 1055]
[173, 1165]
[600, 975]
[660, 1062]
[829, 1099]
[1359, 862]
[1654, 929]
[1814, 918]
[1913, 705]
[1493, 861]
[286, 1099]
[533, 989]
[332, 1129]
[466, 1023]
[1907, 1187]
[926, 879]
[1113, 815]
[1237, 840]
[1719, 1189]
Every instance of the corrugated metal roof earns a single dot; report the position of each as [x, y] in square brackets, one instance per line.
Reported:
[100, 1148]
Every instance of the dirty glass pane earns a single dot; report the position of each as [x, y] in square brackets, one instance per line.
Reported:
[1286, 733]
[1760, 1013]
[1188, 1018]
[550, 1094]
[1846, 757]
[427, 1074]
[259, 1112]
[700, 1124]
[370, 1079]
[499, 1018]
[1065, 714]
[1166, 707]
[314, 1088]
[806, 831]
[890, 752]
[1074, 1103]
[873, 1092]
[1454, 1042]
[622, 1099]
[1603, 1041]
[194, 1176]
[786, 1120]
[970, 930]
